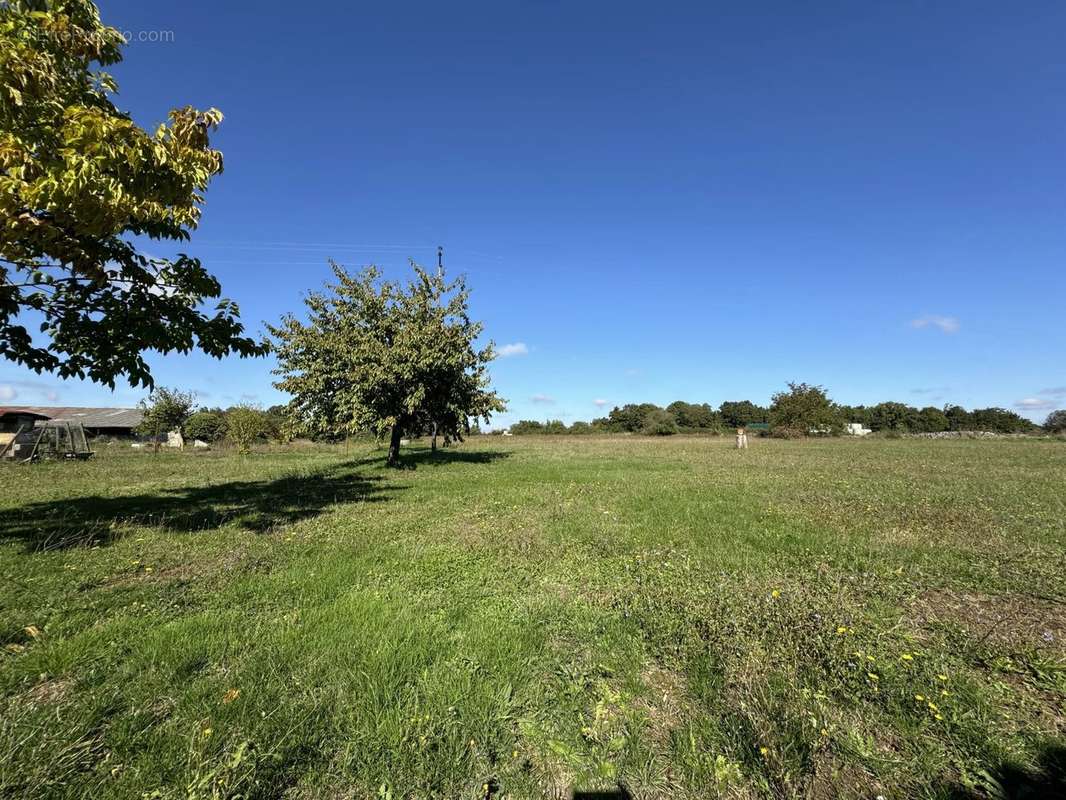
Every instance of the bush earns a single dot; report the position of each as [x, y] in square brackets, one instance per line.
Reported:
[659, 423]
[245, 424]
[207, 426]
[786, 432]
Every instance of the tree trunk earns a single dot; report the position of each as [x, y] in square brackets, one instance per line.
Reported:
[433, 446]
[394, 446]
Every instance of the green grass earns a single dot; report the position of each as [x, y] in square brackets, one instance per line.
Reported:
[537, 617]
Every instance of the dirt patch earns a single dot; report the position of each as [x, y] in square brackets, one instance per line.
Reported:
[49, 691]
[666, 705]
[832, 779]
[1014, 620]
[187, 572]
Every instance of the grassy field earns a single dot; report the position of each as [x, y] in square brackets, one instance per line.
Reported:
[538, 617]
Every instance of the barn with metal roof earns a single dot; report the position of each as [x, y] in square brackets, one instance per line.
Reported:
[96, 421]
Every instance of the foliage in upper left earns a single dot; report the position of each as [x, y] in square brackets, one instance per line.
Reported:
[78, 176]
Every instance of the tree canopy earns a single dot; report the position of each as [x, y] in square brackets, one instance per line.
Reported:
[1056, 422]
[165, 410]
[804, 408]
[385, 357]
[78, 178]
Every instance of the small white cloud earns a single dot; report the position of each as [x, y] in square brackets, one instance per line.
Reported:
[632, 373]
[7, 392]
[52, 396]
[599, 402]
[543, 399]
[944, 324]
[1055, 391]
[1035, 404]
[514, 349]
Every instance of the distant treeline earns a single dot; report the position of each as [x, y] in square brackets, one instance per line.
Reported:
[800, 410]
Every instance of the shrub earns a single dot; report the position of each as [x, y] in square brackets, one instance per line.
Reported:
[659, 423]
[208, 426]
[787, 432]
[245, 424]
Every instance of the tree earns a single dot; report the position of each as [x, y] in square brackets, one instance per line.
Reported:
[630, 418]
[959, 419]
[736, 414]
[527, 426]
[77, 177]
[165, 410]
[244, 425]
[278, 426]
[206, 425]
[930, 420]
[860, 414]
[1056, 422]
[804, 408]
[892, 417]
[1000, 420]
[691, 416]
[659, 422]
[385, 357]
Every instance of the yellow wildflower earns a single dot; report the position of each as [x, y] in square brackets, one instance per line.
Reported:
[907, 657]
[775, 594]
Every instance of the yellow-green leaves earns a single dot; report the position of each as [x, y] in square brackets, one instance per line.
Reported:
[77, 178]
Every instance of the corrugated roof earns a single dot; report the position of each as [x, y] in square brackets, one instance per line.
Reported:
[89, 417]
[21, 410]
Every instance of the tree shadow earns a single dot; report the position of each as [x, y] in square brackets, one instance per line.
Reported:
[618, 793]
[1011, 782]
[416, 457]
[258, 506]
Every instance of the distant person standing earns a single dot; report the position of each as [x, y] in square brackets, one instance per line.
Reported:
[742, 438]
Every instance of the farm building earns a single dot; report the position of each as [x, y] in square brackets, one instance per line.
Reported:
[12, 421]
[96, 421]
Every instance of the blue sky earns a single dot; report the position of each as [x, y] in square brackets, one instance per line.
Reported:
[651, 201]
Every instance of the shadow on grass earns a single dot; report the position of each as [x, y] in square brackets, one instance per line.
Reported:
[258, 506]
[610, 794]
[416, 457]
[1011, 782]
